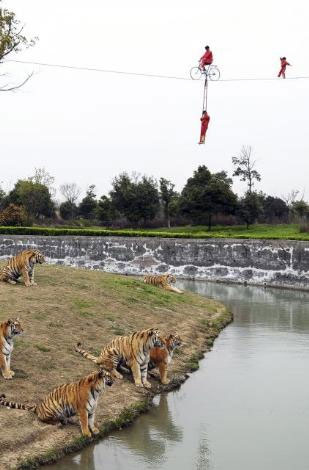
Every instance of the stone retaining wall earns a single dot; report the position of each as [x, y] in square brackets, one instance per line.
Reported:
[274, 262]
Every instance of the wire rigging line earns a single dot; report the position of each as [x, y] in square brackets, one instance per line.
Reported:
[140, 74]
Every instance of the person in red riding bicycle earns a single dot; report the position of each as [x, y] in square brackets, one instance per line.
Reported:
[284, 63]
[206, 59]
[204, 126]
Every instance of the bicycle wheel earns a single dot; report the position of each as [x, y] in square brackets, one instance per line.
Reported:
[214, 73]
[195, 73]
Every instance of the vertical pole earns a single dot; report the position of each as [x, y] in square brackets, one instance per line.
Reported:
[205, 97]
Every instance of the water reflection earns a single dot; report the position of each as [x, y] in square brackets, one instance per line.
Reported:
[152, 434]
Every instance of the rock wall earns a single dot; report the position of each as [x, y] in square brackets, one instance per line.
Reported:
[273, 262]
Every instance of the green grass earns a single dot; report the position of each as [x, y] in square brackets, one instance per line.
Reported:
[260, 231]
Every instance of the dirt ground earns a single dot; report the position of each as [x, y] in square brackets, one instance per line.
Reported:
[71, 305]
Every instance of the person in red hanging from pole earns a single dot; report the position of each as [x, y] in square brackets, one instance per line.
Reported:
[204, 126]
[284, 64]
[206, 58]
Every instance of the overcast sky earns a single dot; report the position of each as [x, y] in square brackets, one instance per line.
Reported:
[87, 127]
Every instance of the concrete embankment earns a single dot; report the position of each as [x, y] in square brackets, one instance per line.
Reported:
[281, 263]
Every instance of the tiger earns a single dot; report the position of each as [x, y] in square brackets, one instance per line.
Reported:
[8, 330]
[163, 281]
[133, 350]
[68, 400]
[22, 265]
[161, 357]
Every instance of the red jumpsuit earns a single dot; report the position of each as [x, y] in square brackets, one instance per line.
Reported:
[204, 126]
[206, 59]
[284, 63]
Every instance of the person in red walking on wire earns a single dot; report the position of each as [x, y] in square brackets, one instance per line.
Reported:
[284, 63]
[204, 126]
[207, 58]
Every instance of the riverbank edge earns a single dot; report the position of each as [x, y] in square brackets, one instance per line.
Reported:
[128, 414]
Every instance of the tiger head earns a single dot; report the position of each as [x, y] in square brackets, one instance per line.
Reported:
[173, 341]
[13, 328]
[153, 338]
[99, 379]
[106, 376]
[37, 257]
[171, 279]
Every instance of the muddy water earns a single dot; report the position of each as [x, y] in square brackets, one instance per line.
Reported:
[247, 408]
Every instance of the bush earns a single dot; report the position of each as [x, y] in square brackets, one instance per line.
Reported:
[304, 228]
[13, 215]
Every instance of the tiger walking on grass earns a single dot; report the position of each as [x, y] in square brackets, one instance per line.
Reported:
[133, 350]
[163, 281]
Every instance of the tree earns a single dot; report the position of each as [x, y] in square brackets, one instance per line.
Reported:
[2, 197]
[166, 194]
[12, 40]
[12, 215]
[71, 192]
[250, 208]
[34, 197]
[206, 194]
[41, 176]
[88, 205]
[275, 208]
[301, 209]
[244, 167]
[68, 211]
[136, 198]
[106, 211]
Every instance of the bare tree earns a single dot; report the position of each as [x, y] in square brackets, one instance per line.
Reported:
[41, 176]
[292, 196]
[70, 191]
[244, 167]
[12, 40]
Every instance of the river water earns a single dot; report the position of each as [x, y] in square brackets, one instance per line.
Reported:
[247, 408]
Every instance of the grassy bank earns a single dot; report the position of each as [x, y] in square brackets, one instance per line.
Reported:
[70, 305]
[275, 232]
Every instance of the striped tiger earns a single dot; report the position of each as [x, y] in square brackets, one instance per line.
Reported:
[22, 265]
[162, 280]
[8, 330]
[132, 350]
[68, 400]
[162, 357]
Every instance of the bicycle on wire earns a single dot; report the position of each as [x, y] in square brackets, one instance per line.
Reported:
[210, 72]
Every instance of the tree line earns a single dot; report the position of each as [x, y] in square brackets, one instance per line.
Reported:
[141, 201]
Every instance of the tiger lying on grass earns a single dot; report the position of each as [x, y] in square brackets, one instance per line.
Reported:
[133, 350]
[162, 281]
[8, 330]
[68, 400]
[22, 265]
[162, 357]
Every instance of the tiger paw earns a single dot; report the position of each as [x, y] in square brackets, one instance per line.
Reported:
[87, 433]
[147, 384]
[8, 375]
[12, 373]
[95, 430]
[138, 384]
[27, 284]
[165, 382]
[33, 283]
